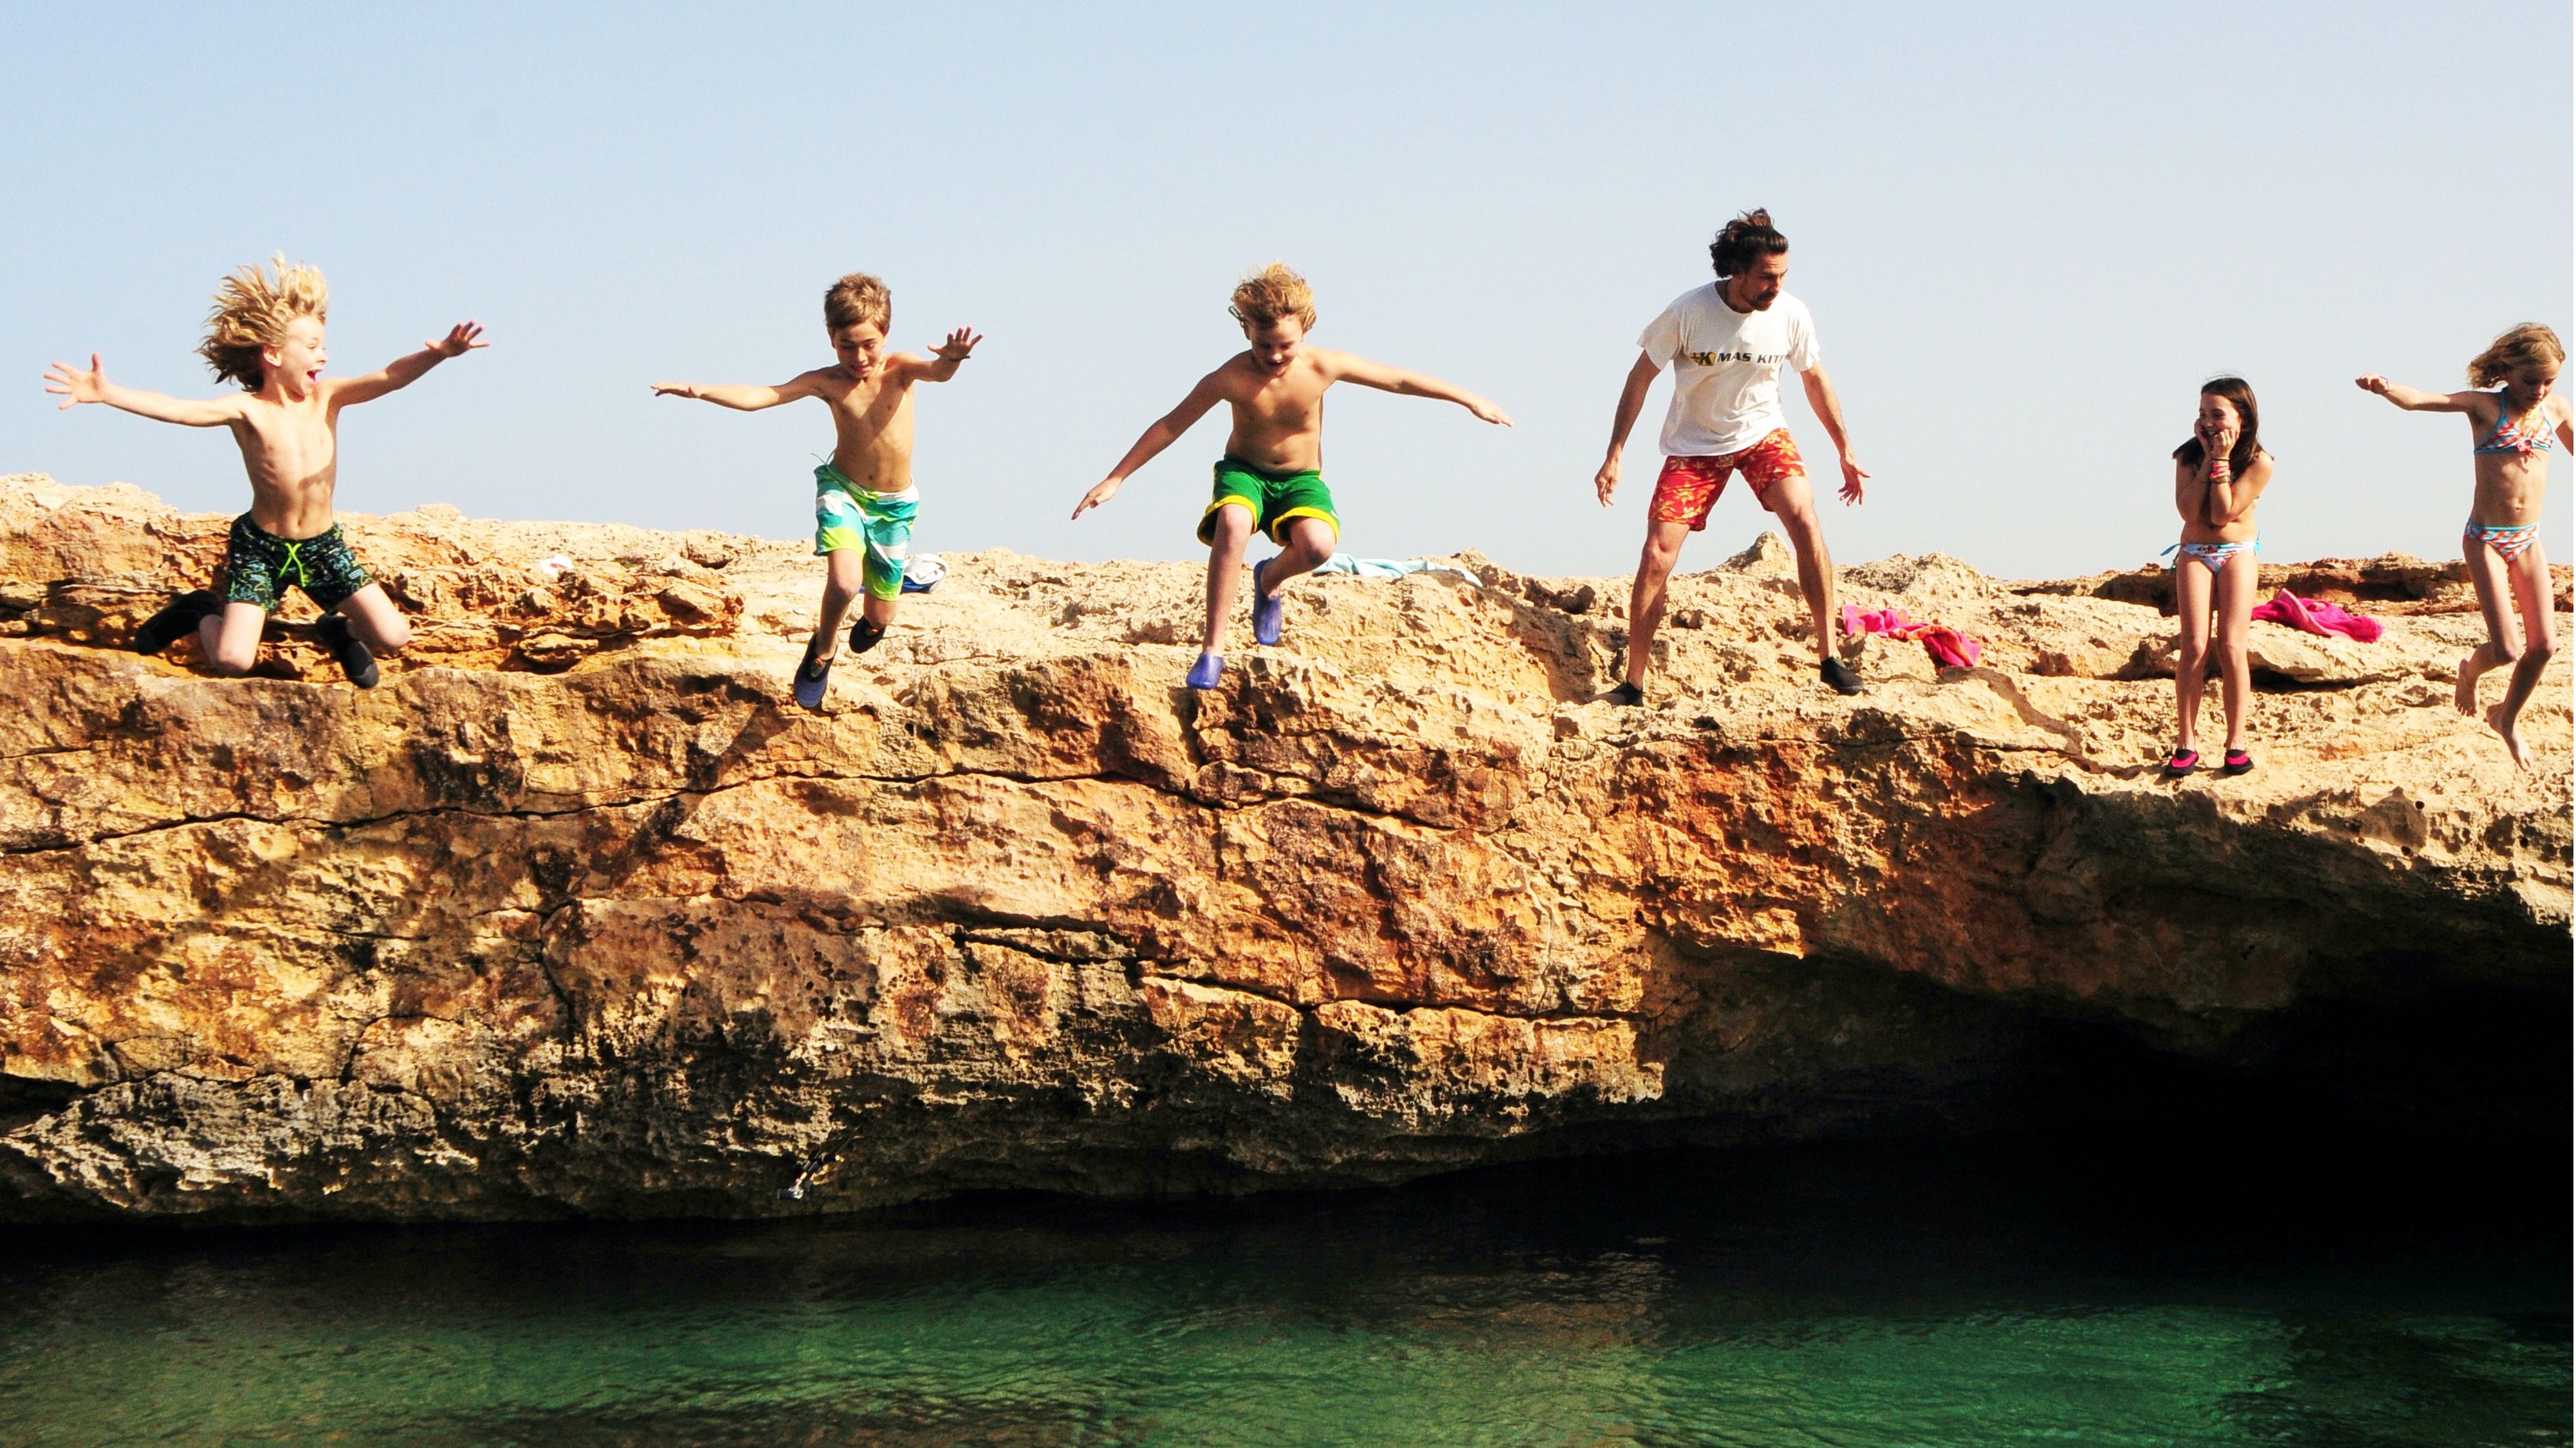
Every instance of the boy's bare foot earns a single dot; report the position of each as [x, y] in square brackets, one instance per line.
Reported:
[2464, 694]
[2511, 732]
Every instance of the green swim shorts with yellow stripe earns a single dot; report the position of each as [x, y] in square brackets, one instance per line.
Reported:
[1272, 499]
[849, 516]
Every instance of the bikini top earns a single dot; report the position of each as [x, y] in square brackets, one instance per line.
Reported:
[2529, 435]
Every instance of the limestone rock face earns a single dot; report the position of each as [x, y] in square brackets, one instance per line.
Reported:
[578, 912]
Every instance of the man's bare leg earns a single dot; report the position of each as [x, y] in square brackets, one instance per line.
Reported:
[1794, 504]
[1646, 597]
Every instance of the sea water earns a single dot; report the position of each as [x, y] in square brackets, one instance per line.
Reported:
[2025, 1291]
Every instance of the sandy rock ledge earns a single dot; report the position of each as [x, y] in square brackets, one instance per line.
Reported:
[578, 913]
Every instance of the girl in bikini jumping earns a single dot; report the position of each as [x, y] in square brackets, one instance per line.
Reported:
[2218, 474]
[2511, 428]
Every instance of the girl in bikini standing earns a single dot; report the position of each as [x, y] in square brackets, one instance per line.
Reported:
[2511, 428]
[2217, 476]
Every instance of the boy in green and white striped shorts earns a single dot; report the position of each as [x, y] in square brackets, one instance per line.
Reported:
[864, 499]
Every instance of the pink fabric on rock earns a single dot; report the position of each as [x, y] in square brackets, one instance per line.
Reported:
[2310, 615]
[1948, 647]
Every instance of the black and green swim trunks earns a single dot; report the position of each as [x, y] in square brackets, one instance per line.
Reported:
[1272, 498]
[259, 566]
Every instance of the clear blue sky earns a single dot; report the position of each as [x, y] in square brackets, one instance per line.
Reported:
[2027, 234]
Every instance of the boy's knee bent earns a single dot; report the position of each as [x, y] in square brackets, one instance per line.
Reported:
[1232, 526]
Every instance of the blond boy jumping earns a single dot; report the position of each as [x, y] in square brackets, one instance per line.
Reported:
[265, 333]
[1271, 475]
[864, 498]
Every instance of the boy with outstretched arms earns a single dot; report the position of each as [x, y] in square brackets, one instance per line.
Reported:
[864, 498]
[1270, 477]
[266, 334]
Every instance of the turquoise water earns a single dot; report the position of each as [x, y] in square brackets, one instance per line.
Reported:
[1998, 1294]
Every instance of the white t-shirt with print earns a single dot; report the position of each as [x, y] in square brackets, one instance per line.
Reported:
[1726, 368]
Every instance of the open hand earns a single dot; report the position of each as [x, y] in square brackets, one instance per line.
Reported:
[1606, 481]
[1488, 412]
[959, 345]
[2372, 382]
[675, 389]
[462, 338]
[1101, 492]
[77, 387]
[1853, 476]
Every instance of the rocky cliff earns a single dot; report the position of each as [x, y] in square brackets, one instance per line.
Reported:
[579, 913]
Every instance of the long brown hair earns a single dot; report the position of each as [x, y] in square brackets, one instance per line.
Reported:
[2240, 457]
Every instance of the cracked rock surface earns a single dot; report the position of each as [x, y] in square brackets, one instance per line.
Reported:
[578, 913]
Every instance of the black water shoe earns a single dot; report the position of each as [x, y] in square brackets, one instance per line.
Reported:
[865, 634]
[1626, 694]
[1840, 676]
[176, 621]
[355, 660]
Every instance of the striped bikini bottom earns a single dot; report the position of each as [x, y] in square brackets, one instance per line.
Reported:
[2508, 542]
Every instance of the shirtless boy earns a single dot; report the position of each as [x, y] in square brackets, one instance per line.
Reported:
[266, 334]
[864, 498]
[1271, 475]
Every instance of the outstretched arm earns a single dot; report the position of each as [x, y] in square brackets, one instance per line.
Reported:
[2412, 400]
[1632, 400]
[1829, 411]
[945, 358]
[402, 372]
[1166, 430]
[77, 387]
[741, 397]
[1347, 368]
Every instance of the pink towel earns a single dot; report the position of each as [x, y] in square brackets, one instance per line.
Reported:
[2311, 616]
[1948, 647]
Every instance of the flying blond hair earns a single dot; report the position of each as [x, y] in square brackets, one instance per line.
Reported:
[855, 298]
[251, 313]
[1263, 297]
[2518, 348]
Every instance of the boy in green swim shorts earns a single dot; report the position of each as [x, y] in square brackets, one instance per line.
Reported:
[864, 498]
[1271, 476]
[266, 336]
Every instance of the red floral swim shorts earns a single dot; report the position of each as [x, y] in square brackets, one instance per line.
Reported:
[1688, 486]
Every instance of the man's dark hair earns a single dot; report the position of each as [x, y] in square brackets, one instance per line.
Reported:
[1746, 240]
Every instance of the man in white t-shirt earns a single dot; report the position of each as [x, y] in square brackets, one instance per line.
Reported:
[1726, 344]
